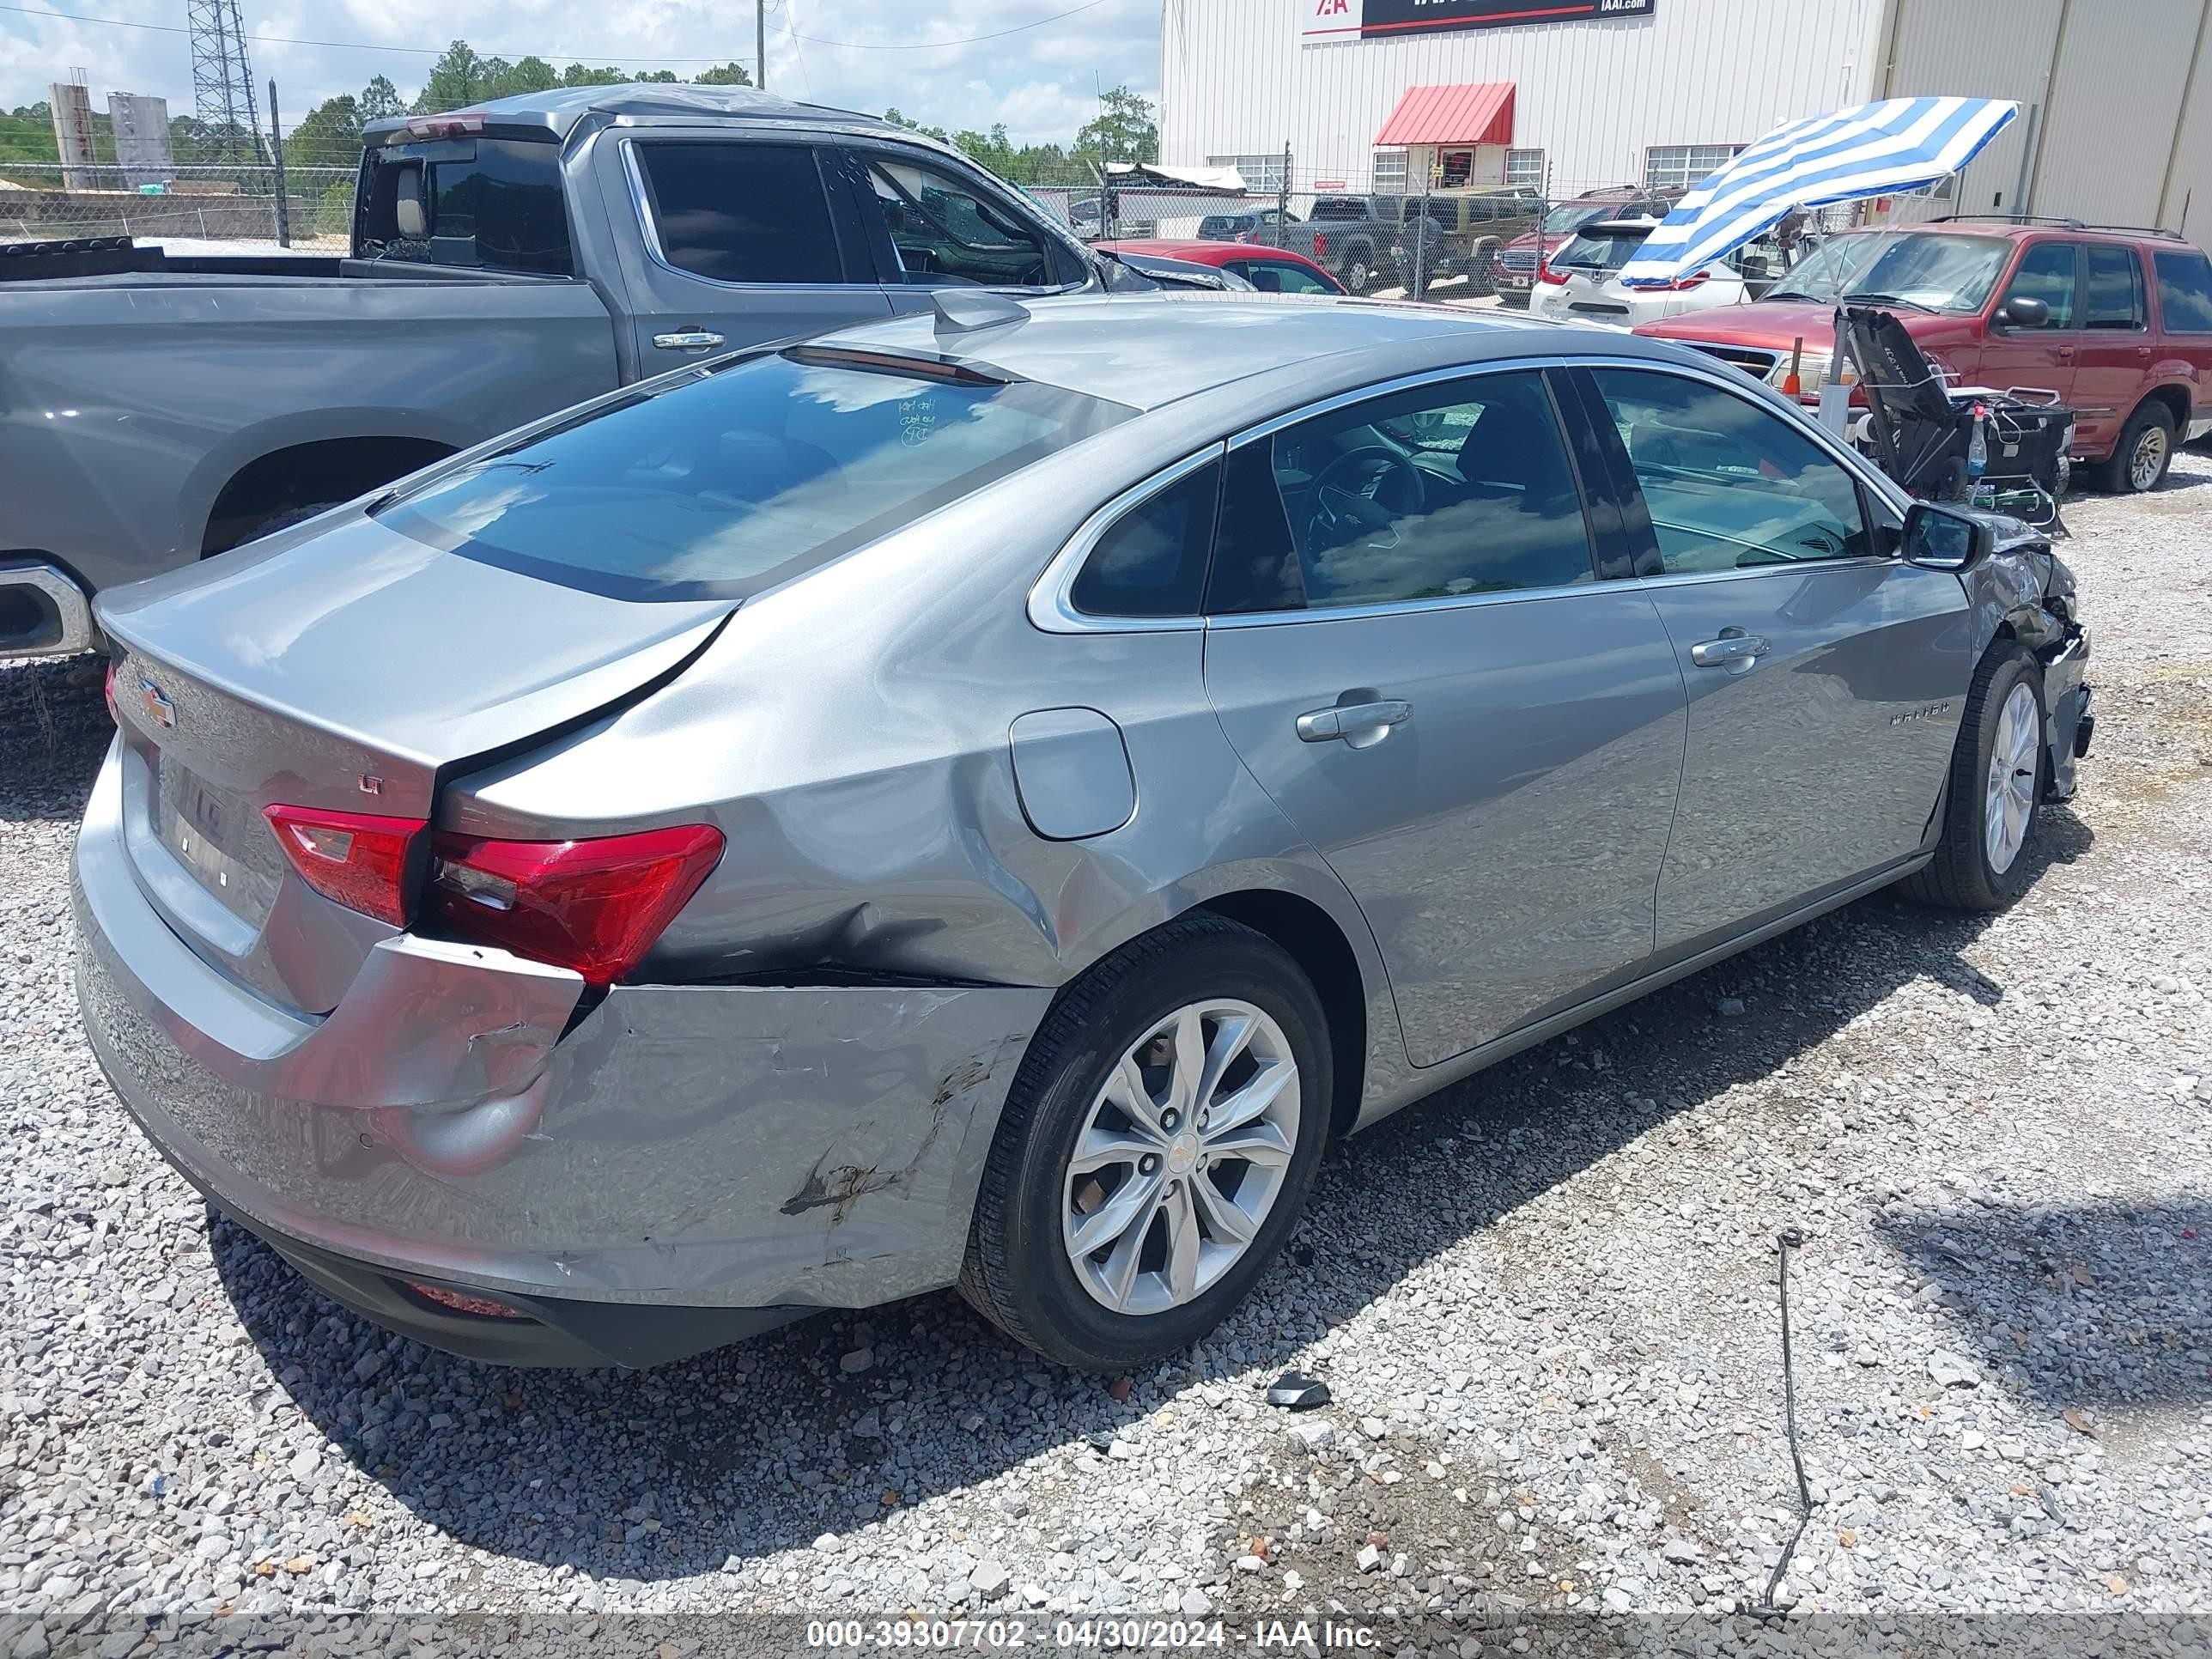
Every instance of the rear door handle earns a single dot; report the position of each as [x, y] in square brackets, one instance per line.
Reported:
[1728, 651]
[1351, 722]
[688, 339]
[2064, 354]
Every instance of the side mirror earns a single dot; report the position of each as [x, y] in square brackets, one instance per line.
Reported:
[2023, 311]
[1944, 538]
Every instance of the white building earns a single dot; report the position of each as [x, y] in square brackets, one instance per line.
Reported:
[1577, 94]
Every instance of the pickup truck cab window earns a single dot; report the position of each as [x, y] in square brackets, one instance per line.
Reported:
[741, 213]
[494, 204]
[943, 230]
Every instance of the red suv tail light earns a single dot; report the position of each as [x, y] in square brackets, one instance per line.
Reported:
[595, 906]
[1320, 243]
[358, 860]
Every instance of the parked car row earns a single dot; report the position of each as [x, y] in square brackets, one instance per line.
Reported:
[506, 262]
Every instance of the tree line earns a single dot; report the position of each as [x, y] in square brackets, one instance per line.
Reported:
[330, 134]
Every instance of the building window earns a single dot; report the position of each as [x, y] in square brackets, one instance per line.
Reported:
[1678, 166]
[1389, 173]
[1262, 174]
[1525, 166]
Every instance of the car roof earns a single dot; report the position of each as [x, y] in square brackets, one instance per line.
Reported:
[558, 111]
[1146, 350]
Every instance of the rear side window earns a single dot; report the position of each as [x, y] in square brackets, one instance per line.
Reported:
[2115, 289]
[741, 213]
[2184, 292]
[489, 203]
[1444, 490]
[1152, 562]
[720, 487]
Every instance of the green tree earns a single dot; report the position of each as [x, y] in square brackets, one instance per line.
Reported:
[457, 80]
[580, 74]
[334, 211]
[1124, 129]
[731, 74]
[899, 121]
[380, 101]
[329, 138]
[531, 74]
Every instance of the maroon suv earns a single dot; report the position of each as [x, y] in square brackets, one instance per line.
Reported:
[2116, 323]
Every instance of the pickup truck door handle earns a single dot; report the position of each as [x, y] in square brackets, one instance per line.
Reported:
[1733, 649]
[688, 339]
[1353, 721]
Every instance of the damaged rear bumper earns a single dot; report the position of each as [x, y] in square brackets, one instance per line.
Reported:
[755, 1152]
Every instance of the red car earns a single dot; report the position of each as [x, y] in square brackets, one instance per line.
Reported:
[1270, 269]
[2118, 324]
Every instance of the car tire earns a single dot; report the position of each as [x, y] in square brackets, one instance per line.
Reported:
[1976, 867]
[1024, 1270]
[2139, 461]
[1357, 277]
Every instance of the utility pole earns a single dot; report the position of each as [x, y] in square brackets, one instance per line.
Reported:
[760, 43]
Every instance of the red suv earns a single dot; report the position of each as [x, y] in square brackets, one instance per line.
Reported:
[2117, 323]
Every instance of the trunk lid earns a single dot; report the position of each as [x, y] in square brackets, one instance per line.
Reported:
[341, 671]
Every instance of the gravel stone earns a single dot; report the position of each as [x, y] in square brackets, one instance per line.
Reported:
[1552, 1285]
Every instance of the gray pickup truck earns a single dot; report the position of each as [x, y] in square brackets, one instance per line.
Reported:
[507, 261]
[1365, 242]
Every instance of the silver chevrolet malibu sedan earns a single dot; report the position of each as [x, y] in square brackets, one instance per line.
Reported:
[980, 799]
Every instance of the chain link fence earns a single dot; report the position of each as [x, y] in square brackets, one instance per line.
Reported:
[314, 211]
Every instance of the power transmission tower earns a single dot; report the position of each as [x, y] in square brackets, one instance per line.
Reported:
[222, 81]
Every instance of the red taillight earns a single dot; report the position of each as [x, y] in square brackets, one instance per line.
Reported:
[1688, 282]
[1320, 243]
[1545, 274]
[482, 1306]
[595, 906]
[358, 860]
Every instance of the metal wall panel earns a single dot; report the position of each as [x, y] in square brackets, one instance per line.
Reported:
[1975, 49]
[1593, 95]
[2113, 109]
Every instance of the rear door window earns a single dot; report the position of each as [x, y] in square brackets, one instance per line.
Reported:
[2115, 289]
[2184, 292]
[2045, 272]
[741, 213]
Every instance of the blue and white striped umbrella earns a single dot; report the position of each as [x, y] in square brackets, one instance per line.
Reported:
[1869, 149]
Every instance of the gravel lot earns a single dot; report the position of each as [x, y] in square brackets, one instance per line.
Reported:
[1543, 1300]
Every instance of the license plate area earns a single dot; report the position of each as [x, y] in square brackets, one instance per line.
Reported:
[207, 830]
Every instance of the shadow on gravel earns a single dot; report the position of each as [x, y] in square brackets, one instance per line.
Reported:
[53, 730]
[2104, 1305]
[762, 1446]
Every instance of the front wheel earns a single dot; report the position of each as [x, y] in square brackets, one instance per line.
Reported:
[1995, 781]
[1155, 1148]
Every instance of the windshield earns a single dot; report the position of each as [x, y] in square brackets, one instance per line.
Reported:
[720, 487]
[1601, 250]
[1936, 272]
[1561, 220]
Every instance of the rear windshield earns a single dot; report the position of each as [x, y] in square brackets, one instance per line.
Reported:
[1601, 250]
[1340, 207]
[493, 204]
[721, 487]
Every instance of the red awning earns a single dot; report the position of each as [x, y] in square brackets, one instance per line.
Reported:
[1478, 113]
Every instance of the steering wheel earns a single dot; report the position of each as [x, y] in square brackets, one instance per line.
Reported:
[1343, 504]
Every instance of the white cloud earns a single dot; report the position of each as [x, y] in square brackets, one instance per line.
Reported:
[1040, 82]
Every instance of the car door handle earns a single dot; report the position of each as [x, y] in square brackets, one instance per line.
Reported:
[1728, 651]
[2064, 354]
[688, 339]
[1349, 720]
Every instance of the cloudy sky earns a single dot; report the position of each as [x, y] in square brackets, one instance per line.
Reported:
[1039, 81]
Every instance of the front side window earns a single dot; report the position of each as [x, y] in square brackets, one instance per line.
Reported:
[2184, 292]
[1152, 562]
[720, 487]
[741, 213]
[2115, 289]
[1434, 493]
[1280, 277]
[1729, 485]
[2047, 273]
[942, 231]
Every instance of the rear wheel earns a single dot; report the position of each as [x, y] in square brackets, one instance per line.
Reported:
[2145, 450]
[1995, 781]
[1154, 1150]
[1356, 276]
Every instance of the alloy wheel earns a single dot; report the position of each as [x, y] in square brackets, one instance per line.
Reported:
[2009, 799]
[1180, 1158]
[2148, 460]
